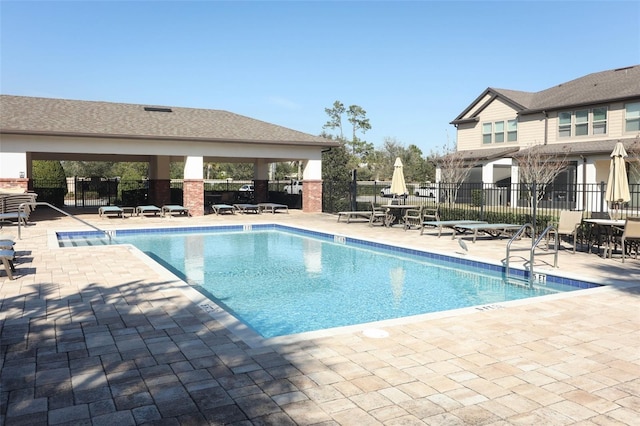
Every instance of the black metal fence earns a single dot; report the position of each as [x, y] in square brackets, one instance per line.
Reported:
[81, 192]
[516, 203]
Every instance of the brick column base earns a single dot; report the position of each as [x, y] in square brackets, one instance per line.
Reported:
[193, 196]
[261, 191]
[159, 191]
[14, 184]
[312, 196]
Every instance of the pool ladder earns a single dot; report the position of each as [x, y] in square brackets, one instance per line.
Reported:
[534, 244]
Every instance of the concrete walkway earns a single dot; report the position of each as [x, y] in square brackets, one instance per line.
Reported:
[104, 336]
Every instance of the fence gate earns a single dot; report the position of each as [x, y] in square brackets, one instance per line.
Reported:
[94, 191]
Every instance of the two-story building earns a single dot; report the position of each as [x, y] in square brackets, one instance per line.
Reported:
[581, 119]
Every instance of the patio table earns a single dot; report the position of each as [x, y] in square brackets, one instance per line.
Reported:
[395, 213]
[609, 228]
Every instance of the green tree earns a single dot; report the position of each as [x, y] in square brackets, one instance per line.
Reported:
[336, 175]
[357, 117]
[89, 168]
[49, 181]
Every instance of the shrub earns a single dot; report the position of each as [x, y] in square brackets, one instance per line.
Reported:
[49, 181]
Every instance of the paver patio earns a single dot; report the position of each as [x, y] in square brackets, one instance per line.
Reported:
[103, 336]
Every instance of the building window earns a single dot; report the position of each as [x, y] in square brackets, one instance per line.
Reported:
[632, 117]
[512, 130]
[582, 122]
[486, 132]
[564, 124]
[499, 132]
[599, 121]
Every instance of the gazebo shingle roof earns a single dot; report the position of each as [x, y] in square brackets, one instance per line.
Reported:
[33, 115]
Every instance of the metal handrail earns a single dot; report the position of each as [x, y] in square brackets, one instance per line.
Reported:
[556, 242]
[515, 236]
[41, 203]
[534, 244]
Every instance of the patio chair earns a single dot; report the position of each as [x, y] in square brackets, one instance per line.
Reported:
[568, 225]
[412, 217]
[593, 234]
[378, 214]
[631, 236]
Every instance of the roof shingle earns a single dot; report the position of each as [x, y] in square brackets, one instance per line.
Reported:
[32, 115]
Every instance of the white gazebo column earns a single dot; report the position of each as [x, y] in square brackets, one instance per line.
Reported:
[515, 192]
[193, 185]
[312, 186]
[261, 181]
[14, 171]
[487, 173]
[159, 180]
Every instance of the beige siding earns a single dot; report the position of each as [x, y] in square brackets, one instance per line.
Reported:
[469, 136]
[615, 125]
[474, 110]
[530, 130]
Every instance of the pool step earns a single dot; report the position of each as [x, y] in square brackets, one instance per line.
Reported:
[83, 242]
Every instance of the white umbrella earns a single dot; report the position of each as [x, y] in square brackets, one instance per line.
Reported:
[398, 185]
[617, 185]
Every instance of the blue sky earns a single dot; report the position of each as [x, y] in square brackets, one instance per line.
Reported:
[413, 66]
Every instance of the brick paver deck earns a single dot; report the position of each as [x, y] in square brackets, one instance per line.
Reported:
[103, 336]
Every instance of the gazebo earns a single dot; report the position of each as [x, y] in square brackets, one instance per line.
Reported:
[34, 128]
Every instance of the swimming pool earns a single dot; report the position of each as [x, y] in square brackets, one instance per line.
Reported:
[280, 280]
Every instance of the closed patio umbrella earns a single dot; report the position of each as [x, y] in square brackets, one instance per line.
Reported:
[398, 185]
[617, 185]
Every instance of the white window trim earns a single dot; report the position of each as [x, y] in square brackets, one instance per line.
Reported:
[573, 126]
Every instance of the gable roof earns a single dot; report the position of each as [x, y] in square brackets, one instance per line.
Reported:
[597, 88]
[64, 117]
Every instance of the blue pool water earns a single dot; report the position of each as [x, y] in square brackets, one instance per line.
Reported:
[279, 281]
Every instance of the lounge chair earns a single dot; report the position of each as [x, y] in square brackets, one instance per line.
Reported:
[378, 214]
[493, 229]
[363, 214]
[247, 208]
[223, 208]
[451, 224]
[106, 211]
[10, 210]
[149, 209]
[272, 207]
[6, 257]
[171, 209]
[568, 225]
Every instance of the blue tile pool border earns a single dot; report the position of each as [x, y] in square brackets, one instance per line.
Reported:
[513, 272]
